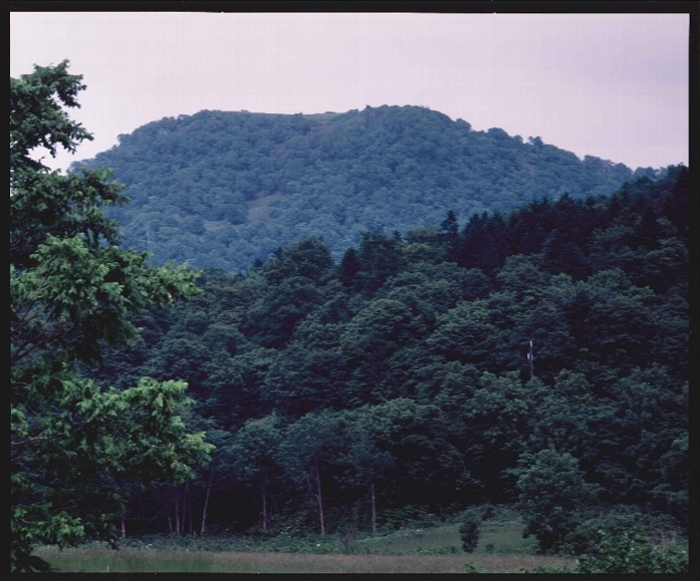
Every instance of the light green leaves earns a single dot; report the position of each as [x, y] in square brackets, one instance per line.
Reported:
[75, 447]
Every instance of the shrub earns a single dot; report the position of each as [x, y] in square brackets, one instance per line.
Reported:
[631, 552]
[627, 552]
[469, 530]
[586, 538]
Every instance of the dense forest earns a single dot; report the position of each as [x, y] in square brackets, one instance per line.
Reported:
[223, 189]
[437, 369]
[532, 354]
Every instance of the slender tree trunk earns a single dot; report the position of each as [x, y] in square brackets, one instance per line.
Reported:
[170, 524]
[123, 523]
[177, 514]
[206, 502]
[319, 496]
[374, 508]
[184, 508]
[264, 505]
[189, 514]
[141, 513]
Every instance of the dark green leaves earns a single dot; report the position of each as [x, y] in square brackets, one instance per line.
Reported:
[553, 495]
[37, 118]
[409, 373]
[257, 182]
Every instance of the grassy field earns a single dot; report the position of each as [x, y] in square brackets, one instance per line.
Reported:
[499, 536]
[163, 561]
[435, 549]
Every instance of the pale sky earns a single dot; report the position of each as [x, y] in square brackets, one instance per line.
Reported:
[610, 85]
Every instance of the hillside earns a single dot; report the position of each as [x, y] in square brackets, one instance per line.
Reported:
[400, 380]
[222, 189]
[536, 359]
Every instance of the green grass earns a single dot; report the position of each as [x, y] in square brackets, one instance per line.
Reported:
[501, 535]
[504, 538]
[415, 549]
[164, 561]
[410, 540]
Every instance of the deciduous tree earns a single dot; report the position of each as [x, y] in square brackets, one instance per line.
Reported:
[74, 445]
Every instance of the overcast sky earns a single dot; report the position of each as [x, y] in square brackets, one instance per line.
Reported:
[610, 85]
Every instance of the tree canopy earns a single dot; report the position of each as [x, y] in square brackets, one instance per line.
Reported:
[222, 189]
[77, 448]
[535, 356]
[410, 357]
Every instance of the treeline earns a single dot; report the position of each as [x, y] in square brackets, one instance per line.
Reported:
[222, 189]
[400, 379]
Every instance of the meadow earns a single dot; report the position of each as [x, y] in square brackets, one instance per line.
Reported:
[435, 549]
[135, 561]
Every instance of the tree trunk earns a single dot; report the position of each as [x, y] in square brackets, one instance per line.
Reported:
[319, 496]
[123, 523]
[264, 505]
[206, 502]
[177, 514]
[142, 516]
[374, 508]
[184, 508]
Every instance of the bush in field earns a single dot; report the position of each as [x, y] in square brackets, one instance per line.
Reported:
[553, 497]
[631, 552]
[469, 530]
[587, 537]
[489, 513]
[627, 551]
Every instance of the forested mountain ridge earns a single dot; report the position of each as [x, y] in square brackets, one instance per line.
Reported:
[537, 358]
[398, 379]
[222, 189]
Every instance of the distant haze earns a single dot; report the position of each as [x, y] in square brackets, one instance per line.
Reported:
[613, 86]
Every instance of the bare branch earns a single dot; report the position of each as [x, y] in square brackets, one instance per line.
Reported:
[24, 441]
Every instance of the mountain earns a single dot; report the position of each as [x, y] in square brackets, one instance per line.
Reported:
[223, 189]
[435, 367]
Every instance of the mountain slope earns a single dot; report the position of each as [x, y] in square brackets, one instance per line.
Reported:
[222, 189]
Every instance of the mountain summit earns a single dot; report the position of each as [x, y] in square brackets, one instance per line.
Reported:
[222, 189]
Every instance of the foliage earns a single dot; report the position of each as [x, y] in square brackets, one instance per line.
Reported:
[77, 448]
[553, 496]
[397, 383]
[631, 552]
[589, 536]
[223, 189]
[628, 551]
[469, 530]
